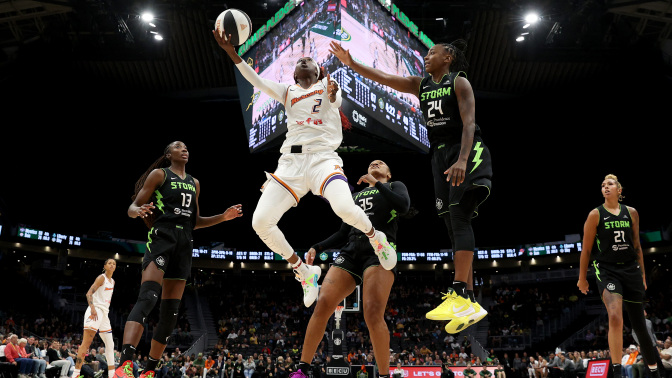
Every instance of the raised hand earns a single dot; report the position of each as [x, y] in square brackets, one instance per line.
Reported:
[342, 54]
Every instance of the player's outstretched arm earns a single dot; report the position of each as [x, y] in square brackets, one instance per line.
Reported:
[276, 90]
[410, 84]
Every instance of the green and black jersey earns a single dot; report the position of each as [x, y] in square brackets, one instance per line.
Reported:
[613, 241]
[438, 102]
[383, 204]
[175, 201]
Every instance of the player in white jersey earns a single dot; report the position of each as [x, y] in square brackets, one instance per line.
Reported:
[96, 318]
[309, 162]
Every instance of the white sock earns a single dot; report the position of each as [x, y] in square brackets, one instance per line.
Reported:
[653, 367]
[110, 373]
[75, 374]
[300, 268]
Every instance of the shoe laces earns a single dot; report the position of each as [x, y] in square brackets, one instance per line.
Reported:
[128, 368]
[447, 298]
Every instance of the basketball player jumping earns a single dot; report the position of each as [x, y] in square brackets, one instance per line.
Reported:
[384, 201]
[460, 162]
[611, 235]
[308, 163]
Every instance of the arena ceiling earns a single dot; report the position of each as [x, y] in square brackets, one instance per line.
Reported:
[575, 40]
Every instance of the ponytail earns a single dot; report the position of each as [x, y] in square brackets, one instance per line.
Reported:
[161, 162]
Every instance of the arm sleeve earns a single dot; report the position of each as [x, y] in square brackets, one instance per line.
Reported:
[338, 239]
[397, 194]
[339, 98]
[277, 91]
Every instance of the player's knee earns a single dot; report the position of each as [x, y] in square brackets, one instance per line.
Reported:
[262, 222]
[168, 311]
[615, 319]
[147, 298]
[373, 312]
[347, 211]
[323, 308]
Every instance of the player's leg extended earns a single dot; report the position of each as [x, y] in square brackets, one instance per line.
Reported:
[173, 289]
[87, 338]
[638, 323]
[273, 204]
[614, 304]
[456, 303]
[150, 289]
[376, 291]
[109, 351]
[338, 194]
[337, 285]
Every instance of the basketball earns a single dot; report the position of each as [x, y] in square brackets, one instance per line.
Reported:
[234, 22]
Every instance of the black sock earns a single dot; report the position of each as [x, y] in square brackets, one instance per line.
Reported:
[127, 351]
[617, 369]
[304, 367]
[151, 364]
[470, 294]
[460, 288]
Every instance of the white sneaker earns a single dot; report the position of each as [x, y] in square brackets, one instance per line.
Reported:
[309, 284]
[386, 254]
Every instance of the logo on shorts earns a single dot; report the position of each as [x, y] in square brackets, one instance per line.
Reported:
[339, 260]
[178, 210]
[611, 286]
[324, 256]
[160, 261]
[439, 204]
[337, 341]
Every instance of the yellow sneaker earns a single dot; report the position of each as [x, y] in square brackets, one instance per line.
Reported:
[462, 323]
[453, 306]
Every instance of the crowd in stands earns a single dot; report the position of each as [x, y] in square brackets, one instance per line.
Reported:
[261, 328]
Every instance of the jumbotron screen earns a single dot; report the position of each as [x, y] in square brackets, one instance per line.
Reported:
[375, 37]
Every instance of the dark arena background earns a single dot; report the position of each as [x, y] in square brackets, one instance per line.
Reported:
[92, 94]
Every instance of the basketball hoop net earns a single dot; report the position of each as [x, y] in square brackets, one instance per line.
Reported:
[337, 315]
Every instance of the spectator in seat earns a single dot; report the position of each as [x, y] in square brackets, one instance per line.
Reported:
[55, 359]
[24, 365]
[34, 352]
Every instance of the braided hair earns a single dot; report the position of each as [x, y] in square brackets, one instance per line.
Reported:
[161, 162]
[457, 49]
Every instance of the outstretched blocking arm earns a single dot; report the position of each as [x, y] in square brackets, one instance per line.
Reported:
[410, 84]
[277, 91]
[589, 232]
[232, 212]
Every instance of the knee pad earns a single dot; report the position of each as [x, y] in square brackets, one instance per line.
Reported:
[147, 298]
[168, 311]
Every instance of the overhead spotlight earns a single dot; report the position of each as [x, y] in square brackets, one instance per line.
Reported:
[152, 24]
[526, 26]
[526, 33]
[147, 17]
[531, 18]
[520, 39]
[158, 37]
[439, 19]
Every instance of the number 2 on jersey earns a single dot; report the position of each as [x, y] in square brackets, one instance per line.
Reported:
[316, 106]
[619, 236]
[434, 105]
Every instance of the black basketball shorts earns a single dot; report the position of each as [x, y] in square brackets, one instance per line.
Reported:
[358, 259]
[624, 279]
[171, 251]
[478, 175]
